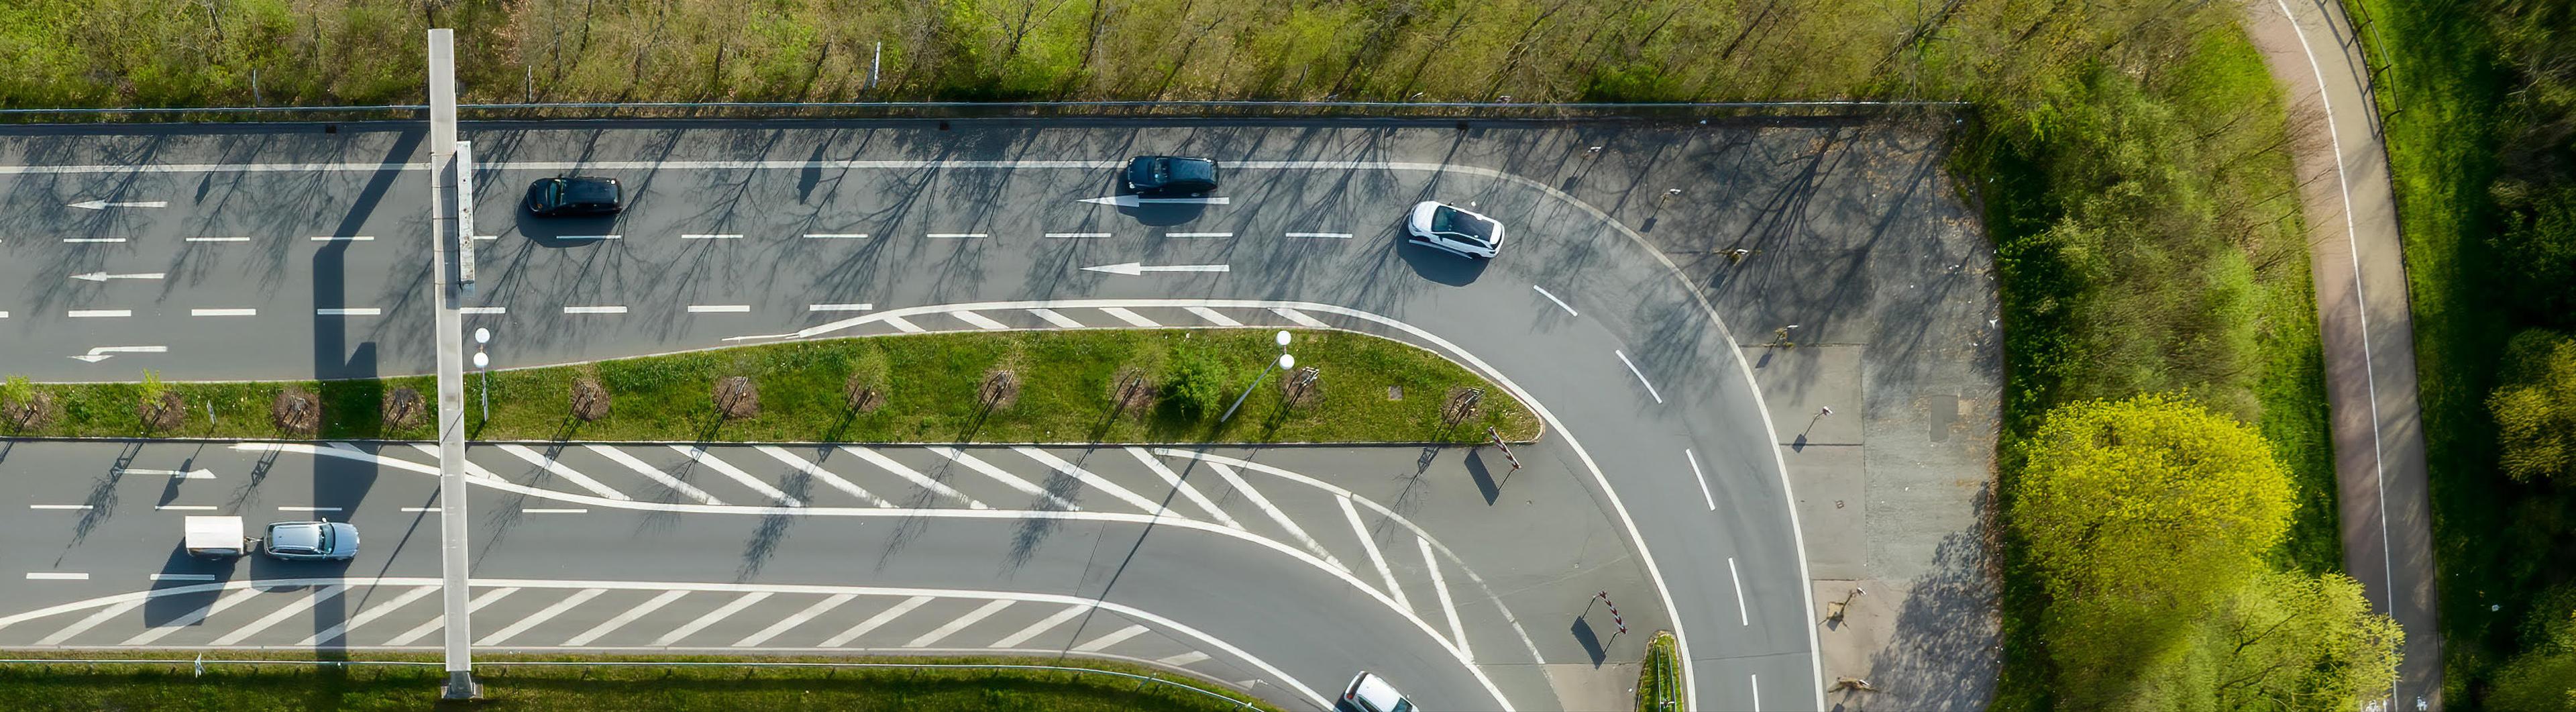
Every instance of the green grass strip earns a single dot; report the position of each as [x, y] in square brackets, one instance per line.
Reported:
[1659, 681]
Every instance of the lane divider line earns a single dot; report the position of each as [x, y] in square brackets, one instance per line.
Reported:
[344, 238]
[1641, 375]
[719, 308]
[836, 236]
[709, 236]
[223, 312]
[303, 508]
[1560, 303]
[218, 239]
[182, 577]
[87, 240]
[1702, 477]
[559, 510]
[352, 311]
[590, 237]
[483, 310]
[1077, 234]
[1329, 235]
[1198, 234]
[1741, 613]
[61, 506]
[56, 576]
[611, 309]
[956, 235]
[184, 507]
[100, 313]
[861, 306]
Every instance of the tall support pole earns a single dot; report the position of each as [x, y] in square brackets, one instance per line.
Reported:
[445, 203]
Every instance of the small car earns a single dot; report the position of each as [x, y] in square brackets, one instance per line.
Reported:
[1370, 693]
[311, 541]
[1448, 227]
[1171, 175]
[576, 195]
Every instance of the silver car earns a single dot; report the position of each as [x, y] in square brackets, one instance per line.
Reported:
[311, 541]
[1370, 693]
[1449, 227]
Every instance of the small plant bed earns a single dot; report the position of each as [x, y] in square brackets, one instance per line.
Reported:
[151, 687]
[1659, 681]
[1037, 386]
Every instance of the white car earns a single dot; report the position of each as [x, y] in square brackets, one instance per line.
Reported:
[1370, 693]
[1449, 227]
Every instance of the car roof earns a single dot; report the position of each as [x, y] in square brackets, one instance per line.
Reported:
[1376, 692]
[590, 189]
[295, 535]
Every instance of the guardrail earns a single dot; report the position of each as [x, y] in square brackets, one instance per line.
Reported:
[1245, 109]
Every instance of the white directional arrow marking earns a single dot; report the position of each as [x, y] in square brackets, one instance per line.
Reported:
[1133, 268]
[196, 474]
[103, 205]
[1130, 201]
[103, 353]
[103, 276]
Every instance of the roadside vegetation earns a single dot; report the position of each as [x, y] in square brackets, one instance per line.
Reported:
[2478, 99]
[1027, 386]
[1659, 679]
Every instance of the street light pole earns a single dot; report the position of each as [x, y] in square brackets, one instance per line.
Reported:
[1285, 362]
[483, 367]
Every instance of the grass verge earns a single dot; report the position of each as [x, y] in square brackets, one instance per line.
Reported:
[1368, 390]
[1659, 681]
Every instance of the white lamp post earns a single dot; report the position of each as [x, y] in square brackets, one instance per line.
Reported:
[1285, 362]
[483, 364]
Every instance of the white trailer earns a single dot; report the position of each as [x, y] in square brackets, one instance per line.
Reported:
[216, 537]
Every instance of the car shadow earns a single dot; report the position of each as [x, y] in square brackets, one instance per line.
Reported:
[565, 231]
[1438, 265]
[168, 608]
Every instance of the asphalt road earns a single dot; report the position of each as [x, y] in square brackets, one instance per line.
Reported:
[1644, 389]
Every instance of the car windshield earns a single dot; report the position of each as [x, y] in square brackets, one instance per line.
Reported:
[554, 192]
[1458, 222]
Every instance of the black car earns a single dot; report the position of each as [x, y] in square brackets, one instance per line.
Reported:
[576, 195]
[1171, 175]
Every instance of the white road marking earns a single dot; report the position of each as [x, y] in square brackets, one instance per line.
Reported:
[956, 235]
[420, 510]
[1120, 636]
[540, 459]
[102, 353]
[218, 239]
[819, 607]
[1756, 681]
[1560, 303]
[862, 306]
[1132, 200]
[1095, 481]
[4, 314]
[83, 625]
[61, 506]
[836, 236]
[1132, 318]
[700, 454]
[1043, 625]
[1332, 235]
[590, 237]
[709, 236]
[1440, 585]
[1187, 492]
[368, 616]
[1198, 234]
[1702, 477]
[565, 510]
[890, 465]
[102, 276]
[223, 312]
[904, 326]
[719, 308]
[482, 310]
[1741, 614]
[1059, 320]
[1276, 516]
[655, 473]
[344, 238]
[440, 620]
[191, 618]
[873, 622]
[358, 311]
[817, 472]
[56, 576]
[979, 465]
[1369, 544]
[1299, 318]
[105, 204]
[711, 618]
[546, 614]
[299, 604]
[951, 627]
[487, 237]
[615, 309]
[182, 577]
[1183, 659]
[1641, 375]
[298, 508]
[196, 474]
[85, 240]
[612, 624]
[1214, 317]
[184, 507]
[1077, 234]
[1133, 269]
[980, 321]
[100, 313]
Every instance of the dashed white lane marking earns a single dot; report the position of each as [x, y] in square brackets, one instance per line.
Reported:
[1369, 543]
[355, 311]
[558, 469]
[956, 235]
[590, 237]
[1756, 681]
[1120, 636]
[299, 604]
[1042, 626]
[1702, 477]
[1560, 303]
[1059, 320]
[86, 240]
[184, 507]
[1440, 585]
[1198, 234]
[368, 616]
[1097, 482]
[615, 309]
[487, 237]
[782, 626]
[223, 312]
[900, 470]
[710, 236]
[344, 238]
[191, 618]
[306, 508]
[218, 239]
[611, 625]
[83, 625]
[1132, 318]
[182, 577]
[1187, 492]
[57, 576]
[711, 618]
[903, 325]
[557, 510]
[655, 473]
[61, 506]
[979, 465]
[700, 454]
[873, 622]
[836, 236]
[1077, 234]
[862, 306]
[817, 472]
[719, 308]
[541, 616]
[1276, 516]
[980, 321]
[420, 510]
[440, 620]
[100, 313]
[1214, 317]
[4, 314]
[1333, 235]
[1741, 614]
[972, 617]
[482, 310]
[1641, 375]
[1183, 659]
[1299, 318]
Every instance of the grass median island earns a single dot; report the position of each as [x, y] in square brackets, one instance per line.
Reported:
[1025, 386]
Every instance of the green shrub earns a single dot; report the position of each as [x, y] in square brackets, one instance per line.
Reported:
[2535, 407]
[1197, 385]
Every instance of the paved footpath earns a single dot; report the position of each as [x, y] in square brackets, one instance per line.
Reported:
[2369, 334]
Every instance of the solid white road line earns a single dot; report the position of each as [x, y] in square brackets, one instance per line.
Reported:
[546, 614]
[299, 604]
[100, 313]
[1299, 318]
[836, 236]
[957, 235]
[1043, 625]
[223, 312]
[590, 237]
[611, 625]
[184, 507]
[1013, 481]
[873, 622]
[1641, 375]
[900, 324]
[182, 577]
[359, 311]
[1560, 303]
[1111, 639]
[564, 510]
[1198, 234]
[558, 469]
[1132, 318]
[1369, 543]
[1440, 585]
[1097, 482]
[301, 508]
[218, 239]
[700, 454]
[56, 576]
[951, 627]
[61, 506]
[655, 473]
[368, 616]
[487, 237]
[1059, 320]
[1333, 235]
[1077, 234]
[980, 321]
[344, 238]
[190, 618]
[1702, 477]
[719, 308]
[900, 470]
[711, 618]
[1214, 317]
[862, 306]
[1740, 614]
[709, 236]
[83, 625]
[420, 510]
[828, 603]
[613, 309]
[482, 310]
[440, 620]
[817, 472]
[1187, 492]
[85, 240]
[1183, 659]
[1276, 516]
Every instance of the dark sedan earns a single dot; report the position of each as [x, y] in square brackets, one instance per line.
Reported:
[576, 195]
[1171, 175]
